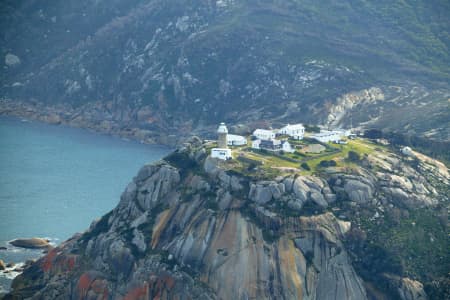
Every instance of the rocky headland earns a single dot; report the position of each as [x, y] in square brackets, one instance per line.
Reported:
[191, 226]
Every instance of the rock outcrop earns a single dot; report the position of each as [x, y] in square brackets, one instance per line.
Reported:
[188, 227]
[32, 243]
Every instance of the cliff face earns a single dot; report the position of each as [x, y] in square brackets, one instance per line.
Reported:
[189, 227]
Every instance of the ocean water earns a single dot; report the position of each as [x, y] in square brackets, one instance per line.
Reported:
[55, 180]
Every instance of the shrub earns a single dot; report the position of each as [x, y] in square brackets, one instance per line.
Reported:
[353, 156]
[312, 128]
[305, 166]
[327, 163]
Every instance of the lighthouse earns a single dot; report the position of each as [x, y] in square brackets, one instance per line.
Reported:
[222, 141]
[222, 151]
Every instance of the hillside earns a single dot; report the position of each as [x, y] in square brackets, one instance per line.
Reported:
[153, 68]
[191, 226]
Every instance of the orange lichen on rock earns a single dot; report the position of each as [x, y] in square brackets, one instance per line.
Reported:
[138, 293]
[47, 262]
[71, 262]
[100, 288]
[163, 218]
[84, 282]
[291, 278]
[90, 284]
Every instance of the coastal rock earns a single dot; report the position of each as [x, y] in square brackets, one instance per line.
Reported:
[32, 243]
[2, 265]
[12, 60]
[52, 119]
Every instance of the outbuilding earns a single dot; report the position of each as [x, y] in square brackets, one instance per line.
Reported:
[221, 153]
[326, 136]
[296, 131]
[236, 140]
[264, 134]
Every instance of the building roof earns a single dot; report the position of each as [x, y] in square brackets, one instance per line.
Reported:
[270, 142]
[326, 133]
[235, 137]
[293, 127]
[262, 131]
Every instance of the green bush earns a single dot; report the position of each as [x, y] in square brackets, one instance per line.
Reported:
[312, 128]
[327, 163]
[353, 156]
[305, 166]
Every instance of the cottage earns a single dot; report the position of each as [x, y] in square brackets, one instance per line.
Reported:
[220, 153]
[236, 140]
[273, 145]
[264, 134]
[295, 131]
[326, 136]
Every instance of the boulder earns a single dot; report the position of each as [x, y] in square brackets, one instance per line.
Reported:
[295, 204]
[12, 60]
[358, 191]
[411, 290]
[2, 265]
[318, 199]
[260, 194]
[33, 243]
[300, 190]
[211, 166]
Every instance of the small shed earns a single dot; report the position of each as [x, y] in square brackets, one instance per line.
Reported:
[221, 153]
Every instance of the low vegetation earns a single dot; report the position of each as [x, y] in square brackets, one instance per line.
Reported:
[249, 161]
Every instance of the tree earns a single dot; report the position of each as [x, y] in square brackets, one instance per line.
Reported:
[373, 134]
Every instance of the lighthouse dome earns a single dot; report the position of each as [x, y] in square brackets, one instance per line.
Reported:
[222, 128]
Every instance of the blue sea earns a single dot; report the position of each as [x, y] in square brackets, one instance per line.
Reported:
[55, 180]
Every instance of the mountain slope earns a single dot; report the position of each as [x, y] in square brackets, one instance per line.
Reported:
[194, 227]
[166, 65]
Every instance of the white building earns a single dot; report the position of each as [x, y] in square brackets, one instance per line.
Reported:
[273, 145]
[286, 147]
[256, 144]
[344, 132]
[296, 131]
[236, 140]
[221, 153]
[326, 136]
[264, 134]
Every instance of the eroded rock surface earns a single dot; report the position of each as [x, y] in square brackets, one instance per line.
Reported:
[187, 227]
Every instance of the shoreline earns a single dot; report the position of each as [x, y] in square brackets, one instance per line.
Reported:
[88, 117]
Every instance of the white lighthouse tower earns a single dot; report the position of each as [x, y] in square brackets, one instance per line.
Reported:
[222, 132]
[222, 151]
